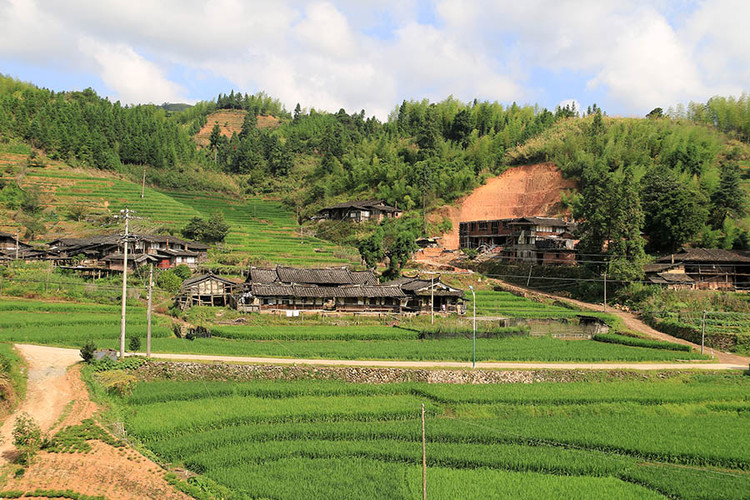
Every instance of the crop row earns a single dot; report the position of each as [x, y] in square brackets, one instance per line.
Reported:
[331, 439]
[494, 349]
[679, 391]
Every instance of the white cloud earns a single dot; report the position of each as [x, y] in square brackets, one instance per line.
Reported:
[373, 53]
[648, 66]
[133, 78]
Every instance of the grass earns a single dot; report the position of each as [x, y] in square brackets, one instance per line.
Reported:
[680, 437]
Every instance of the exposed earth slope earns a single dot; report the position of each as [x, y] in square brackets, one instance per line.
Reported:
[528, 190]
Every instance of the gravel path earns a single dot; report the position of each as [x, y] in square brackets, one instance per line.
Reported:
[486, 365]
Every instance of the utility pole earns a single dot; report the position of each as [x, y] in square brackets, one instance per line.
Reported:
[424, 459]
[703, 330]
[17, 232]
[125, 214]
[605, 291]
[474, 336]
[528, 280]
[148, 311]
[432, 299]
[143, 185]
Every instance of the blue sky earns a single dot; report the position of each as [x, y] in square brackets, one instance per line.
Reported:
[628, 56]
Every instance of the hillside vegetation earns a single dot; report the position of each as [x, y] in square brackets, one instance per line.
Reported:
[677, 179]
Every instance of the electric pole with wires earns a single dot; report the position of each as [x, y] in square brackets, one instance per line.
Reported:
[127, 215]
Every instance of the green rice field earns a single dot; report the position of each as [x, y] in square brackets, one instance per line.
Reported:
[261, 230]
[681, 436]
[72, 324]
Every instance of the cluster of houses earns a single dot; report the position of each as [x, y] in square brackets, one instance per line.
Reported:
[539, 240]
[103, 254]
[337, 289]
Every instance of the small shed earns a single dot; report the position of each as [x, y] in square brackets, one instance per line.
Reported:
[207, 290]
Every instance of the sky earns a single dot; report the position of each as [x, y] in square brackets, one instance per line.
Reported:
[627, 56]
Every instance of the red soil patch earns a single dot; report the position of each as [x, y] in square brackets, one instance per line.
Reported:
[230, 121]
[529, 190]
[56, 398]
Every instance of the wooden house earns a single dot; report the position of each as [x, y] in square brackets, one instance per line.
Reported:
[208, 290]
[424, 295]
[712, 268]
[359, 211]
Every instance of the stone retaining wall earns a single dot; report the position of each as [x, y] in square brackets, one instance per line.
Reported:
[183, 371]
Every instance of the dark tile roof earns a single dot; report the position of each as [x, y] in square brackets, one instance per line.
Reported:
[715, 255]
[313, 291]
[364, 205]
[319, 276]
[413, 285]
[138, 257]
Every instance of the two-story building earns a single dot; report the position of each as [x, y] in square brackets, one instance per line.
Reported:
[359, 211]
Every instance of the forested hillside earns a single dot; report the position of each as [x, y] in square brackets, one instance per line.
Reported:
[676, 179]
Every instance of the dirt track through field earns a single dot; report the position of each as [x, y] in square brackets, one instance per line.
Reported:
[56, 397]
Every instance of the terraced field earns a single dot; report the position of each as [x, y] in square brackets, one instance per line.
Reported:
[676, 437]
[261, 231]
[72, 324]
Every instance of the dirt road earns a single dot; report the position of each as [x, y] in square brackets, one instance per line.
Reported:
[56, 397]
[50, 389]
[486, 365]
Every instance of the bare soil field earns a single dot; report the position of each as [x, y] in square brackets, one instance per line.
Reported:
[528, 190]
[230, 121]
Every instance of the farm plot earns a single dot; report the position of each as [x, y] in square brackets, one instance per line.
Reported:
[72, 324]
[263, 231]
[266, 232]
[505, 304]
[679, 437]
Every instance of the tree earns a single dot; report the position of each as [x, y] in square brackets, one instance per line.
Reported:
[215, 137]
[675, 211]
[400, 252]
[371, 248]
[655, 113]
[212, 230]
[729, 199]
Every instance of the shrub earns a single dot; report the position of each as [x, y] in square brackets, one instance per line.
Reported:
[27, 437]
[117, 382]
[169, 281]
[182, 271]
[87, 351]
[134, 344]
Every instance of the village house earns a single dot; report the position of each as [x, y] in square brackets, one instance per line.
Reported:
[540, 240]
[208, 290]
[669, 275]
[343, 290]
[711, 268]
[424, 295]
[359, 211]
[105, 252]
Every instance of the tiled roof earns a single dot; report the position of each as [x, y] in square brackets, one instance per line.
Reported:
[320, 276]
[706, 255]
[312, 291]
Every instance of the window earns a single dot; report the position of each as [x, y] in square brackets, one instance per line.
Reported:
[483, 225]
[495, 227]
